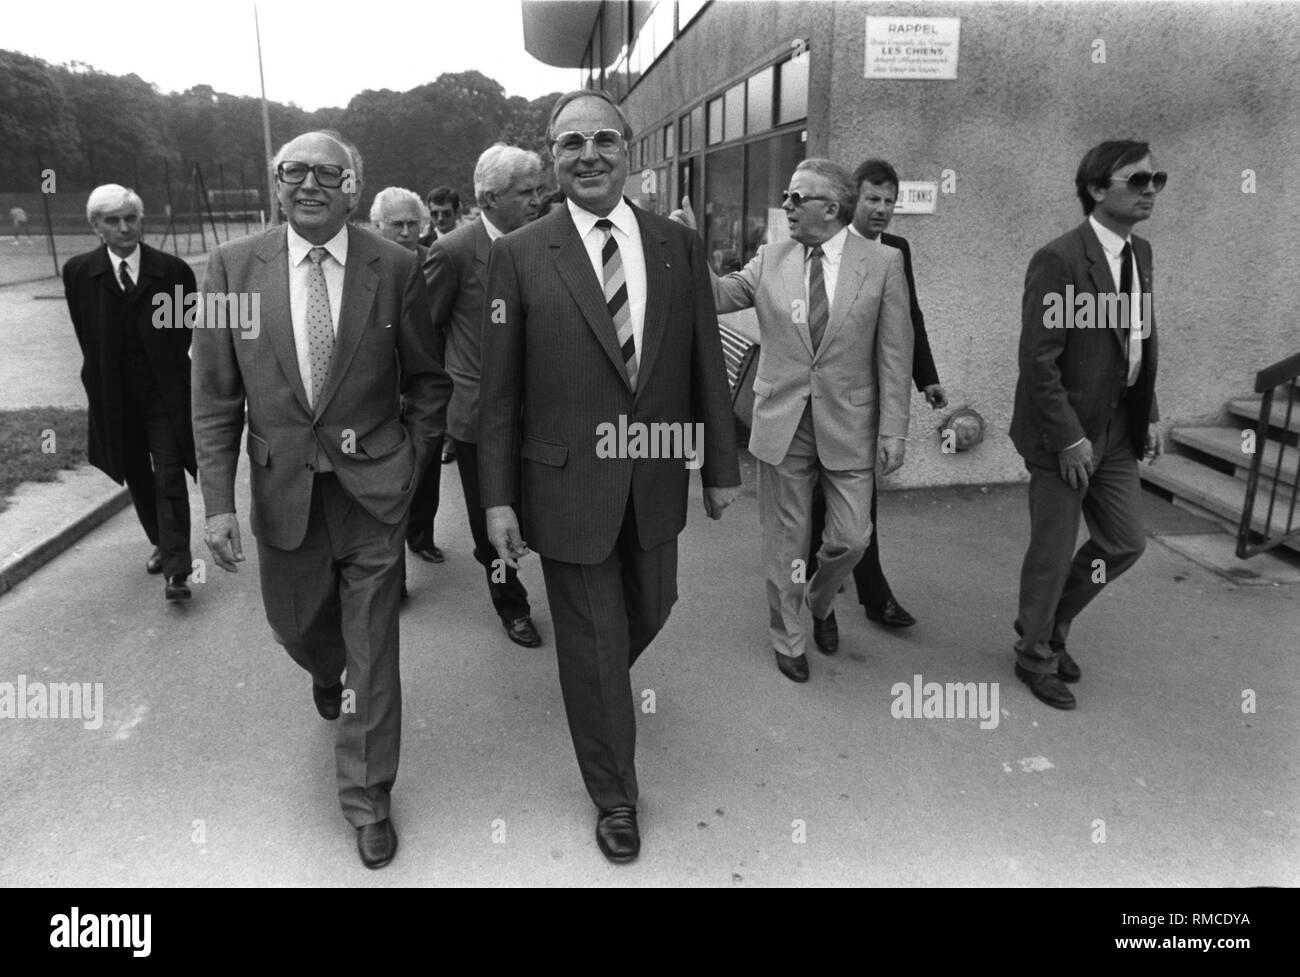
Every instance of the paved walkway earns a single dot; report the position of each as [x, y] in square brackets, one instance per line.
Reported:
[210, 766]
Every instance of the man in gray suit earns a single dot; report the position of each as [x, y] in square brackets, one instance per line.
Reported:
[342, 330]
[831, 395]
[507, 184]
[599, 319]
[1085, 408]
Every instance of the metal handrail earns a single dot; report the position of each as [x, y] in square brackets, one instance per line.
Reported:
[1282, 374]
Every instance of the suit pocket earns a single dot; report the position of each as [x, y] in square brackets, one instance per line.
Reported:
[762, 387]
[259, 452]
[862, 396]
[544, 452]
[383, 440]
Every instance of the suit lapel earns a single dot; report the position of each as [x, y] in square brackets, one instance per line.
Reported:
[482, 250]
[853, 269]
[658, 286]
[271, 280]
[1103, 282]
[792, 278]
[360, 282]
[574, 268]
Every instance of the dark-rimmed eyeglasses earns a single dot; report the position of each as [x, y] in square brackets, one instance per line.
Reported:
[328, 175]
[1138, 181]
[607, 142]
[797, 199]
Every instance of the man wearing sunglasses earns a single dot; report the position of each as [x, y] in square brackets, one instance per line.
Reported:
[832, 398]
[344, 333]
[1085, 408]
[600, 315]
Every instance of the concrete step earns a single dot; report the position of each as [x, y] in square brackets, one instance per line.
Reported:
[1248, 408]
[1216, 492]
[1226, 443]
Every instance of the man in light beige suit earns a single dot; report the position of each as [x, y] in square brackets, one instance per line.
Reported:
[831, 395]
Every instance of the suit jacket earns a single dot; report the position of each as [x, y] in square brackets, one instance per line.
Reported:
[384, 347]
[553, 373]
[1071, 379]
[456, 272]
[923, 369]
[100, 313]
[857, 381]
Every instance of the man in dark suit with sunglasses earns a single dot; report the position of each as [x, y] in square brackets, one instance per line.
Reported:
[344, 333]
[1085, 408]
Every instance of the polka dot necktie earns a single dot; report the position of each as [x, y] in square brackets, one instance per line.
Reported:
[616, 298]
[320, 323]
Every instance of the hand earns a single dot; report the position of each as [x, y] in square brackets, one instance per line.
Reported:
[503, 531]
[717, 499]
[684, 216]
[889, 455]
[221, 533]
[1154, 449]
[935, 396]
[1076, 464]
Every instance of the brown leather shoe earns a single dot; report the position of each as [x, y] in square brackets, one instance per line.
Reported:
[1047, 688]
[377, 843]
[617, 834]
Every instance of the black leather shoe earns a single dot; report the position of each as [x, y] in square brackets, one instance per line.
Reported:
[377, 843]
[826, 634]
[1067, 669]
[153, 565]
[429, 554]
[890, 614]
[795, 668]
[1048, 688]
[522, 632]
[617, 833]
[177, 587]
[328, 699]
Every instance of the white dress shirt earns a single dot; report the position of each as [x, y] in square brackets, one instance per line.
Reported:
[299, 268]
[832, 251]
[493, 232]
[1113, 245]
[132, 265]
[628, 235]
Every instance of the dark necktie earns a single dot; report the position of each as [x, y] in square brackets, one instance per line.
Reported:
[124, 276]
[616, 298]
[1133, 344]
[818, 307]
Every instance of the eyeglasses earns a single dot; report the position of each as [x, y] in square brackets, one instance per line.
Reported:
[796, 199]
[607, 142]
[328, 175]
[1138, 181]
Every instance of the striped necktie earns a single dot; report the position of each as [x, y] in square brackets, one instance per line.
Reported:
[616, 298]
[124, 276]
[818, 307]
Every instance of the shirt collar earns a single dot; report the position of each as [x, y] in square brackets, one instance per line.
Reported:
[1111, 242]
[832, 248]
[621, 217]
[337, 246]
[132, 260]
[493, 232]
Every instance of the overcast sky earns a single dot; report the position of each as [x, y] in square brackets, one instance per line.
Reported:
[395, 44]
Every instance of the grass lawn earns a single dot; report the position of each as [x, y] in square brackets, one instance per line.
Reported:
[36, 443]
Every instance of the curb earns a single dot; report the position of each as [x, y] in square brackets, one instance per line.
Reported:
[20, 565]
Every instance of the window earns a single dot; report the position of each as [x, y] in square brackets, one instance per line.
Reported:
[684, 134]
[793, 86]
[758, 111]
[715, 121]
[733, 118]
[723, 210]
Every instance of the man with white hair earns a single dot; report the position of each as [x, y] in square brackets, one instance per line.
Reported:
[398, 215]
[137, 373]
[508, 184]
[344, 331]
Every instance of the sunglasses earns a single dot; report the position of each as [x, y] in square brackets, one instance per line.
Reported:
[327, 175]
[1138, 181]
[607, 142]
[796, 199]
